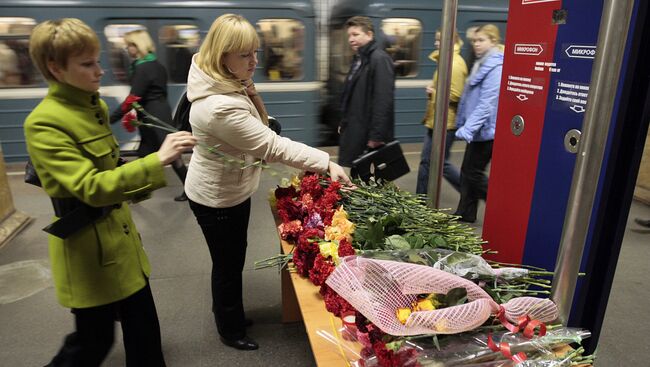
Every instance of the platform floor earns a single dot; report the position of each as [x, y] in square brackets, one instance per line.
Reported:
[32, 328]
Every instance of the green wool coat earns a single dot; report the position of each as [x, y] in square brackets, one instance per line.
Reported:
[75, 155]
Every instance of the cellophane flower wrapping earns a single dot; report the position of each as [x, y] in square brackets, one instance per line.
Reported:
[466, 349]
[470, 349]
[377, 288]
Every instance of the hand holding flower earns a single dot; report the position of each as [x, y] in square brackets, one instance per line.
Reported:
[174, 145]
[337, 173]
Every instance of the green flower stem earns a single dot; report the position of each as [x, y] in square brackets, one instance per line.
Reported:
[138, 107]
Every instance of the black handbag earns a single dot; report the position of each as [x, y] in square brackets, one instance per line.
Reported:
[30, 174]
[386, 162]
[181, 119]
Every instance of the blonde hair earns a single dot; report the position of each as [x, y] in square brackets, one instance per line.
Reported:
[491, 31]
[57, 40]
[141, 40]
[457, 40]
[228, 33]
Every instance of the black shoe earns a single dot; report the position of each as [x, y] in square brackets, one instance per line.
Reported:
[181, 197]
[464, 218]
[467, 220]
[642, 222]
[244, 343]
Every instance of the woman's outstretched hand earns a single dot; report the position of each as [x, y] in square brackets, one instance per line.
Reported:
[174, 145]
[337, 173]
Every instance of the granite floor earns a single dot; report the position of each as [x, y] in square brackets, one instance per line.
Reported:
[32, 324]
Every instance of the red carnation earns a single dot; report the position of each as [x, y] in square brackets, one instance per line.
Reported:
[384, 356]
[127, 105]
[289, 209]
[289, 231]
[321, 270]
[310, 184]
[129, 121]
[333, 302]
[345, 248]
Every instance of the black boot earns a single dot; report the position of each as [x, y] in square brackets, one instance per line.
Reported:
[181, 197]
[181, 171]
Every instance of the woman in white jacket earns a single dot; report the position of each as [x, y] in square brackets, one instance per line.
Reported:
[227, 111]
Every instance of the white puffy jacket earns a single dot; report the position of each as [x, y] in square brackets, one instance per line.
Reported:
[225, 115]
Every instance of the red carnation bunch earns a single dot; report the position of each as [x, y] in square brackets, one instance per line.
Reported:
[306, 250]
[128, 103]
[130, 121]
[321, 270]
[333, 302]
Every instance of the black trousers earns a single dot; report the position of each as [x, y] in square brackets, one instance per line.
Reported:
[94, 335]
[225, 231]
[473, 181]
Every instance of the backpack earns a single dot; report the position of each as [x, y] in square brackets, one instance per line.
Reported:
[181, 118]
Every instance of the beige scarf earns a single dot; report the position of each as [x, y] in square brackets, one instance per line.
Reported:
[258, 102]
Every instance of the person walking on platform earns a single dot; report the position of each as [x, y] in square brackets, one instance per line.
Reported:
[476, 119]
[99, 266]
[367, 102]
[458, 75]
[227, 112]
[148, 79]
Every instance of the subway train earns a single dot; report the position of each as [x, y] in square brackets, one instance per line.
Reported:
[302, 64]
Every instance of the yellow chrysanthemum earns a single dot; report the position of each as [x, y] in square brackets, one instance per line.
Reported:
[403, 314]
[330, 249]
[423, 305]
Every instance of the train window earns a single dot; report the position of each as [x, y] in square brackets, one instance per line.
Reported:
[181, 42]
[16, 68]
[283, 42]
[403, 37]
[342, 53]
[118, 56]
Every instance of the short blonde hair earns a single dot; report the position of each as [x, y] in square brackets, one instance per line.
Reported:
[57, 40]
[228, 33]
[141, 40]
[491, 31]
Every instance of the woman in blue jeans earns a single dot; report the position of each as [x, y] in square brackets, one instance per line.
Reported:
[476, 119]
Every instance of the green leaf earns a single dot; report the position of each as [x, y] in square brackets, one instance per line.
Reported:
[456, 296]
[392, 223]
[415, 240]
[394, 346]
[437, 240]
[397, 242]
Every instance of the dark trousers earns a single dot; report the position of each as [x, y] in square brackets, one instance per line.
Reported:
[449, 171]
[94, 335]
[225, 231]
[473, 181]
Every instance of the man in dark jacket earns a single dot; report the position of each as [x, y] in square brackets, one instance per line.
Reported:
[367, 102]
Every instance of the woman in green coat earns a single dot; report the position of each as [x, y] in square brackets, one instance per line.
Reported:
[99, 266]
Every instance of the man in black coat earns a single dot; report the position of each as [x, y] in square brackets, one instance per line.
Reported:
[367, 102]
